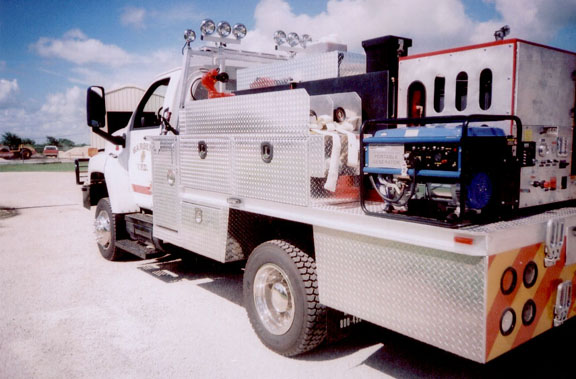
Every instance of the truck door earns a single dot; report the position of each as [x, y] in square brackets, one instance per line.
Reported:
[145, 122]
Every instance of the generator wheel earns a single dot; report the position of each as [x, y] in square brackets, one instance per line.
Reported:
[106, 229]
[281, 298]
[26, 154]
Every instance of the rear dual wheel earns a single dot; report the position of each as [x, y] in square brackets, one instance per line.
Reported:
[281, 298]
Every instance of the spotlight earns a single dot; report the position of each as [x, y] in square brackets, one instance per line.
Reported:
[189, 35]
[207, 27]
[239, 31]
[280, 37]
[501, 33]
[293, 39]
[304, 40]
[224, 29]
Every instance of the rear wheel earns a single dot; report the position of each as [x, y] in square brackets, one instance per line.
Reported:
[106, 226]
[281, 298]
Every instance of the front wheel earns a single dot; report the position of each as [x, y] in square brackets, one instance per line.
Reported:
[106, 227]
[281, 298]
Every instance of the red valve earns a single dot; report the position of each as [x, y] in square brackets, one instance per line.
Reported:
[209, 80]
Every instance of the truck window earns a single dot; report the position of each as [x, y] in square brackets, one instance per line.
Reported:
[439, 85]
[485, 89]
[461, 91]
[153, 100]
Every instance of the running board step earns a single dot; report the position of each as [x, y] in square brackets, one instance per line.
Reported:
[139, 250]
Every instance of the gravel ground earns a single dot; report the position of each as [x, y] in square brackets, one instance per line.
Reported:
[65, 312]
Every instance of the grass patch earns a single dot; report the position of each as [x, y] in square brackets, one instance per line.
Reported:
[34, 167]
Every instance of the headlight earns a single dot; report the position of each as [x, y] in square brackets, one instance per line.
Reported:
[224, 29]
[280, 37]
[207, 27]
[239, 31]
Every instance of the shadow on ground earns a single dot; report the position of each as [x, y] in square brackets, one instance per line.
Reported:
[7, 212]
[399, 356]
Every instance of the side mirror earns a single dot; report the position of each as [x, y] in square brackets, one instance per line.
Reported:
[95, 107]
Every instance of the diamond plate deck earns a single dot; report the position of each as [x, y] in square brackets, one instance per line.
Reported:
[431, 295]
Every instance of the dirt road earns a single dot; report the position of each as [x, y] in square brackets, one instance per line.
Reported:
[67, 313]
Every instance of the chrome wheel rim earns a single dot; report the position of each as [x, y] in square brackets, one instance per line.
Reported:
[102, 229]
[273, 299]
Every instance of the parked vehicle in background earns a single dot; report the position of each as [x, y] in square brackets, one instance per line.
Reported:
[22, 151]
[50, 151]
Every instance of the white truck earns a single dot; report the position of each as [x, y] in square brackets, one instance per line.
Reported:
[429, 194]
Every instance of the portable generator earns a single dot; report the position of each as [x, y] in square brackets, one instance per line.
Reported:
[441, 171]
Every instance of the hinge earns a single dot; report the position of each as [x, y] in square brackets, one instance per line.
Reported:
[554, 241]
[563, 302]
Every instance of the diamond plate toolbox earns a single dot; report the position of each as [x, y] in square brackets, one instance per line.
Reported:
[206, 164]
[285, 112]
[434, 296]
[165, 182]
[282, 178]
[205, 230]
[306, 68]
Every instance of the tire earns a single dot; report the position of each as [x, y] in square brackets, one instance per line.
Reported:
[25, 154]
[281, 298]
[106, 227]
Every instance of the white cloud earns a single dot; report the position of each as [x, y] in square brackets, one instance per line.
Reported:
[536, 20]
[431, 24]
[7, 89]
[76, 47]
[63, 115]
[134, 17]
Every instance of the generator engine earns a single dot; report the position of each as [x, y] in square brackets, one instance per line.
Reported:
[443, 171]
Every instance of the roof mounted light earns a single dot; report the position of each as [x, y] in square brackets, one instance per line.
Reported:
[189, 35]
[223, 29]
[501, 33]
[280, 37]
[293, 39]
[304, 40]
[207, 27]
[239, 31]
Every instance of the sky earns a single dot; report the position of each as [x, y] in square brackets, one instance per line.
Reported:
[52, 50]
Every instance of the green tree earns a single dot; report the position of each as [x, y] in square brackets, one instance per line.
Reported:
[10, 139]
[52, 141]
[60, 142]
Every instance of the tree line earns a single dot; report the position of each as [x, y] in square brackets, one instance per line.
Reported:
[11, 139]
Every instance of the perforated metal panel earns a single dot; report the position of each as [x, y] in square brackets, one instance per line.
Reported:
[284, 179]
[285, 112]
[209, 172]
[431, 295]
[303, 68]
[165, 182]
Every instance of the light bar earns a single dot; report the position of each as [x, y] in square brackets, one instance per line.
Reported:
[292, 39]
